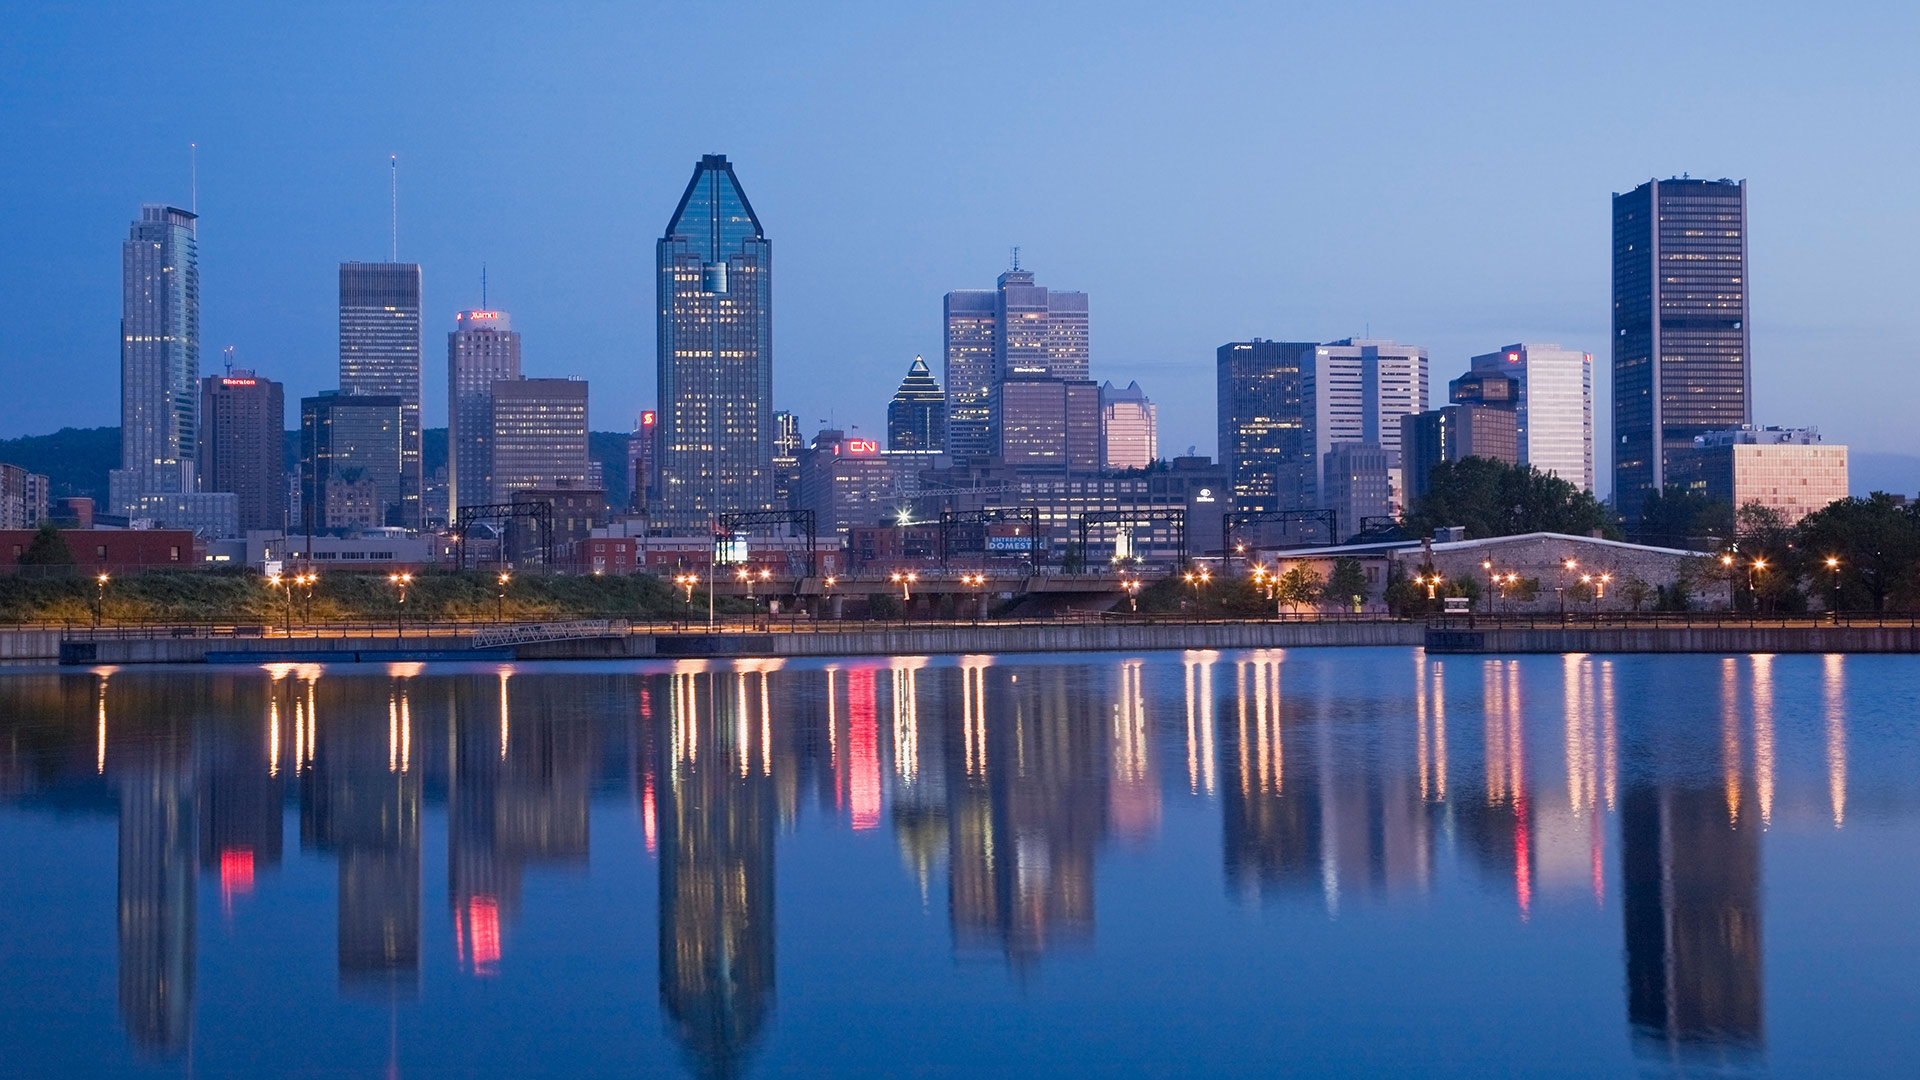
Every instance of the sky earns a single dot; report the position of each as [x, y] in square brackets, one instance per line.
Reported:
[1435, 174]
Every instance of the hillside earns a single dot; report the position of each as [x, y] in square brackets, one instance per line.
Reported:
[75, 460]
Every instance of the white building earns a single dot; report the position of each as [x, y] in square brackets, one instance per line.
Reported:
[1129, 428]
[1555, 410]
[1356, 390]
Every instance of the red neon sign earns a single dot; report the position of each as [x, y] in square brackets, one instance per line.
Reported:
[862, 446]
[646, 418]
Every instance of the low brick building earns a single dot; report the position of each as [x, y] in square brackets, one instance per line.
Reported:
[113, 550]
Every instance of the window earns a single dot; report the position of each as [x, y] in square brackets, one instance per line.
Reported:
[100, 553]
[173, 553]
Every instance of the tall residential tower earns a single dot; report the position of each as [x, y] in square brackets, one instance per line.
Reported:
[715, 287]
[1681, 343]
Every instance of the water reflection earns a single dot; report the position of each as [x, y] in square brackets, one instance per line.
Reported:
[1007, 786]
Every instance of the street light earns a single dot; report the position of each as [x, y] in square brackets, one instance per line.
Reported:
[500, 598]
[100, 598]
[1493, 582]
[905, 581]
[1833, 564]
[307, 582]
[400, 581]
[1431, 581]
[1754, 569]
[286, 587]
[1132, 585]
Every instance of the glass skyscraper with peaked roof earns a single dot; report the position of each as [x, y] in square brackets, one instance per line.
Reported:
[715, 287]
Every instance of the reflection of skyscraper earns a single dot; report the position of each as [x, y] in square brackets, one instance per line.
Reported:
[1691, 903]
[156, 898]
[363, 804]
[717, 819]
[1270, 795]
[1028, 817]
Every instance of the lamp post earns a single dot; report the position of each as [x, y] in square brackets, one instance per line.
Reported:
[1493, 582]
[307, 582]
[1132, 585]
[1833, 564]
[286, 589]
[500, 597]
[1571, 566]
[1754, 570]
[826, 590]
[400, 582]
[99, 598]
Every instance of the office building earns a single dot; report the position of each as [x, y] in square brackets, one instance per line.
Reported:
[1786, 470]
[972, 328]
[1045, 422]
[1553, 406]
[243, 446]
[1356, 390]
[715, 288]
[351, 448]
[1193, 485]
[847, 483]
[917, 416]
[1018, 331]
[1266, 443]
[539, 435]
[380, 356]
[1129, 428]
[640, 456]
[159, 359]
[1450, 433]
[787, 445]
[482, 349]
[1355, 484]
[1681, 347]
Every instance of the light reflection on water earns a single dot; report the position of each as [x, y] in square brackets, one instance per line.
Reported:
[1561, 854]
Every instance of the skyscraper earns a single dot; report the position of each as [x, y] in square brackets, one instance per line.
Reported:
[1019, 331]
[1129, 428]
[350, 453]
[482, 349]
[539, 435]
[1266, 446]
[971, 329]
[243, 429]
[159, 354]
[715, 287]
[917, 416]
[380, 355]
[1356, 390]
[1680, 339]
[1553, 407]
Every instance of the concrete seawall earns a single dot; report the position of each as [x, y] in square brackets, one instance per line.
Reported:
[41, 646]
[1676, 639]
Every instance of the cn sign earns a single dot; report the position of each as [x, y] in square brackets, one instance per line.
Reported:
[862, 446]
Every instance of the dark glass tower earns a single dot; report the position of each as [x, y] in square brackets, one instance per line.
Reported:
[1265, 441]
[159, 356]
[917, 416]
[715, 271]
[1680, 337]
[380, 355]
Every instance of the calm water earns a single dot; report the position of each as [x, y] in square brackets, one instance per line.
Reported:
[1316, 862]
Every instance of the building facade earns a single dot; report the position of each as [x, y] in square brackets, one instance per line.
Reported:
[1129, 428]
[380, 356]
[1266, 443]
[1786, 470]
[243, 446]
[159, 358]
[1019, 331]
[972, 328]
[1043, 422]
[715, 364]
[539, 436]
[1681, 344]
[23, 498]
[846, 483]
[1553, 405]
[348, 441]
[917, 416]
[1450, 433]
[1356, 390]
[1355, 484]
[482, 349]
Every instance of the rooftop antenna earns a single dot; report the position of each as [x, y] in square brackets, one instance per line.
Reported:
[393, 168]
[193, 178]
[1014, 253]
[228, 353]
[483, 287]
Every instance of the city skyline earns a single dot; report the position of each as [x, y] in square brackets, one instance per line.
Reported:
[1826, 282]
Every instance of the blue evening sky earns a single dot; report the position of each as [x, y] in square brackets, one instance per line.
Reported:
[1436, 173]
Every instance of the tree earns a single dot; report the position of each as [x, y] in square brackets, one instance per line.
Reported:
[47, 548]
[1636, 591]
[1493, 498]
[1346, 587]
[1875, 543]
[1677, 515]
[1299, 585]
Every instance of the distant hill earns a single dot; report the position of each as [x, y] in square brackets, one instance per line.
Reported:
[75, 460]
